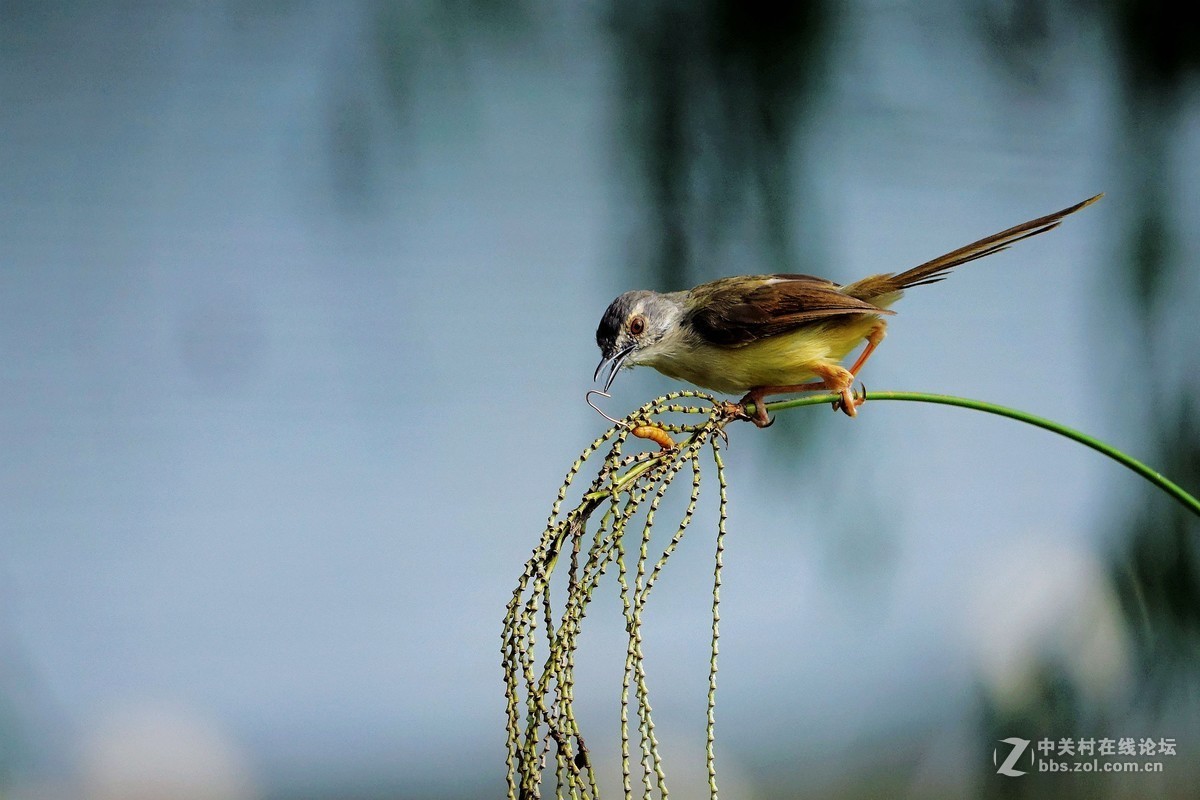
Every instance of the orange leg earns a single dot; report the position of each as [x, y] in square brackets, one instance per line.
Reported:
[833, 378]
[755, 396]
[840, 380]
[874, 337]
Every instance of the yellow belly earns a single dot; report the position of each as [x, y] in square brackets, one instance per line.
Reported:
[775, 361]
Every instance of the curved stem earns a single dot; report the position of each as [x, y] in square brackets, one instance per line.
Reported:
[1155, 477]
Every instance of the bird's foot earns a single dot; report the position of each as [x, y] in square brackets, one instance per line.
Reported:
[850, 400]
[759, 417]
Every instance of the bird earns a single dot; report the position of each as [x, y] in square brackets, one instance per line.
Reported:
[764, 335]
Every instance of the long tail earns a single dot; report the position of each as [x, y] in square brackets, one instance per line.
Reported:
[935, 270]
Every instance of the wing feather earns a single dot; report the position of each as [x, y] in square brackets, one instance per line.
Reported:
[736, 312]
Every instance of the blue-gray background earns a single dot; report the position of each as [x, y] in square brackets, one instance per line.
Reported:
[296, 315]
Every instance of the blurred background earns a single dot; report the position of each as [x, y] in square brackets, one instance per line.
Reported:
[297, 303]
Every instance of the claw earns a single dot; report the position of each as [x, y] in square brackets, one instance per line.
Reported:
[855, 399]
[759, 417]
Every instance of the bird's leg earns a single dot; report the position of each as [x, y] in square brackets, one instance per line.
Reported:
[841, 380]
[874, 337]
[850, 402]
[756, 395]
[833, 378]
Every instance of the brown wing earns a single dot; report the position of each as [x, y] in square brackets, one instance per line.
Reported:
[737, 311]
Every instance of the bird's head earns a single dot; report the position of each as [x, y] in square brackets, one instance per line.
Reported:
[635, 325]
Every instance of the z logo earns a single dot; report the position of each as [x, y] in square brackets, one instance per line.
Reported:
[1018, 747]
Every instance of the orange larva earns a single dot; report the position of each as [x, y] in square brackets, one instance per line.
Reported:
[654, 434]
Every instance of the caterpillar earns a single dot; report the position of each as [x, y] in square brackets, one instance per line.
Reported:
[654, 434]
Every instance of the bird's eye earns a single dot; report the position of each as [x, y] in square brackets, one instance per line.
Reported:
[637, 325]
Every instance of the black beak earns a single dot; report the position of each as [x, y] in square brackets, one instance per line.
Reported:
[615, 362]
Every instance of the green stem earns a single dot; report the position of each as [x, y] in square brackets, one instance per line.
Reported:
[1159, 480]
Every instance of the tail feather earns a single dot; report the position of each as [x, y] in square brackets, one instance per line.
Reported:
[937, 269]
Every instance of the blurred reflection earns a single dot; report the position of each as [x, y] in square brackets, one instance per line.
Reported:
[156, 752]
[1157, 568]
[1155, 564]
[713, 96]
